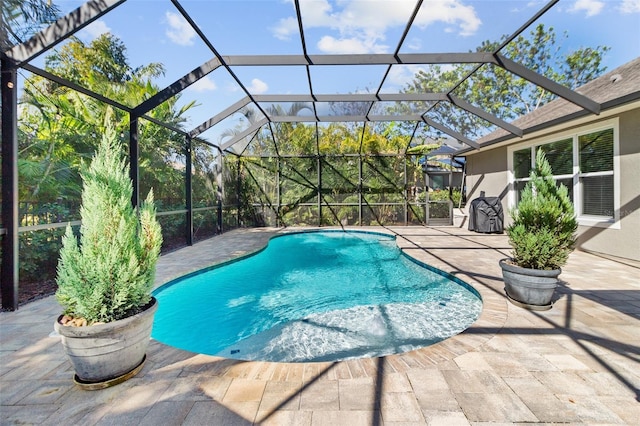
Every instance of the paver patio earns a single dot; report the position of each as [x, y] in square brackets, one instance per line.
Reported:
[576, 363]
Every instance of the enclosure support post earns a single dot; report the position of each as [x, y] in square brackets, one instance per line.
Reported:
[134, 171]
[9, 232]
[188, 187]
[360, 189]
[319, 165]
[238, 192]
[278, 206]
[220, 189]
[426, 199]
[406, 194]
[451, 192]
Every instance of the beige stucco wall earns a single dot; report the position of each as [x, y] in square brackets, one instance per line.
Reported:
[625, 241]
[487, 171]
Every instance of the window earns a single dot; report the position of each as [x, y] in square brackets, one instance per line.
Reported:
[522, 163]
[521, 169]
[584, 163]
[596, 172]
[560, 156]
[437, 182]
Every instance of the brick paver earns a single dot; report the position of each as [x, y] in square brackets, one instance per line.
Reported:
[576, 363]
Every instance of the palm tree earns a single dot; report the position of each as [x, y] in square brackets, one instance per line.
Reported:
[63, 125]
[21, 19]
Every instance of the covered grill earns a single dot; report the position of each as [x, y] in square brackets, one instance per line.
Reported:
[485, 215]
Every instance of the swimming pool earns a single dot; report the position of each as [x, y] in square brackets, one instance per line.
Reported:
[315, 296]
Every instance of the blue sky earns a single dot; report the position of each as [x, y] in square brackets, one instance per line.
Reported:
[154, 31]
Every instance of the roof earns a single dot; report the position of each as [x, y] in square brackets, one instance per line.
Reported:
[617, 87]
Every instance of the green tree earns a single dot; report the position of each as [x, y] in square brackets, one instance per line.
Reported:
[58, 131]
[263, 142]
[58, 125]
[542, 233]
[205, 160]
[504, 94]
[110, 274]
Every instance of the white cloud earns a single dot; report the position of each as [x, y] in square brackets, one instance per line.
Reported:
[332, 45]
[359, 25]
[452, 12]
[414, 44]
[535, 4]
[96, 29]
[285, 28]
[257, 87]
[179, 31]
[205, 84]
[354, 45]
[401, 75]
[590, 7]
[630, 6]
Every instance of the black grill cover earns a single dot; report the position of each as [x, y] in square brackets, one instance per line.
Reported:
[485, 215]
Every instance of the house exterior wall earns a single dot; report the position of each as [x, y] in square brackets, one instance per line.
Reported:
[488, 171]
[623, 240]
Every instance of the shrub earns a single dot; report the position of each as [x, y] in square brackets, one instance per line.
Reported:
[39, 249]
[109, 275]
[543, 230]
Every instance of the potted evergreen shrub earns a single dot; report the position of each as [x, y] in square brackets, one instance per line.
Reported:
[105, 280]
[542, 236]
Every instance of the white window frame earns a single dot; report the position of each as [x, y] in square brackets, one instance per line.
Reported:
[583, 220]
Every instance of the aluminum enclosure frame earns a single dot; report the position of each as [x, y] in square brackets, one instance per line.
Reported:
[20, 56]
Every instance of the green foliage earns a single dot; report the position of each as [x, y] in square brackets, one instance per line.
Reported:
[423, 149]
[173, 231]
[110, 274]
[38, 252]
[438, 207]
[443, 195]
[57, 125]
[543, 230]
[500, 92]
[39, 249]
[103, 62]
[21, 19]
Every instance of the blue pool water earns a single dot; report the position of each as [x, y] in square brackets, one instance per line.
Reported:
[315, 296]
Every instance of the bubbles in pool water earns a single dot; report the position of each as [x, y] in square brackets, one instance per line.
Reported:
[377, 326]
[361, 331]
[241, 301]
[320, 296]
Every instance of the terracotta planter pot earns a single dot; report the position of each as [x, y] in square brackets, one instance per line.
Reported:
[529, 288]
[104, 352]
